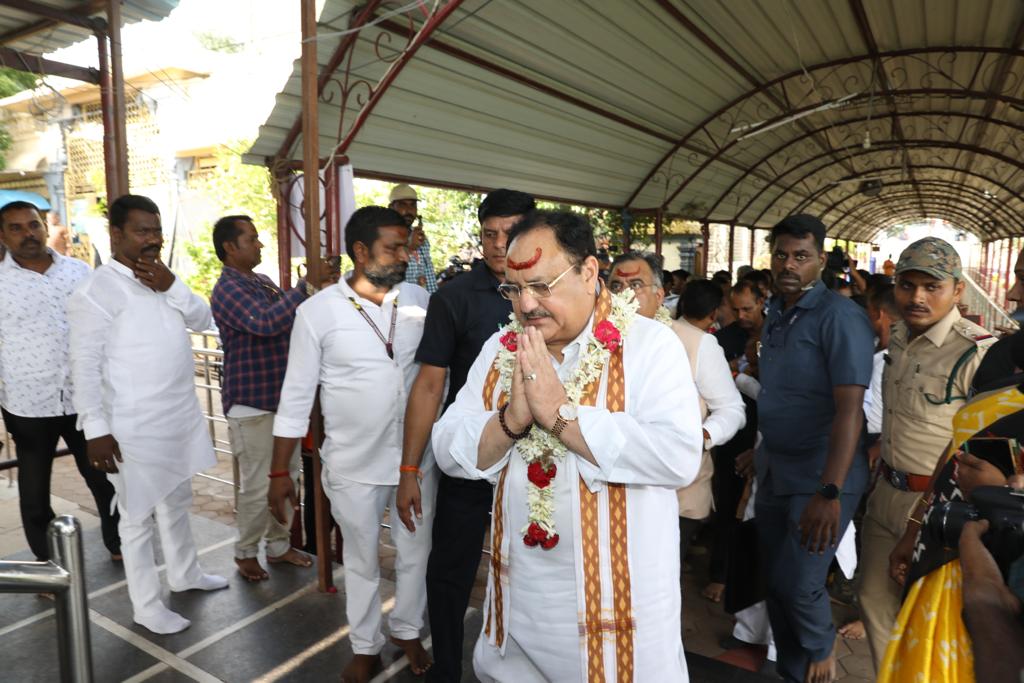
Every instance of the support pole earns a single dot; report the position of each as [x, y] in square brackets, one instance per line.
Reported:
[311, 214]
[73, 638]
[753, 237]
[732, 238]
[107, 112]
[705, 230]
[658, 228]
[117, 88]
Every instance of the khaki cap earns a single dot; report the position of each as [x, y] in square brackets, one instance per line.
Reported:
[403, 191]
[932, 256]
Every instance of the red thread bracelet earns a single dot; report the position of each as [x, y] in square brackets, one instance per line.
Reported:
[409, 468]
[282, 473]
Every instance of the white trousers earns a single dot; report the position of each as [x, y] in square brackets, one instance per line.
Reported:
[752, 626]
[359, 509]
[171, 515]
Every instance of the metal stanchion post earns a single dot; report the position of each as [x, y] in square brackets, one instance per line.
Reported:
[74, 642]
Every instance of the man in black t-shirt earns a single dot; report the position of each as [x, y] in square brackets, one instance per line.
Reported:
[461, 316]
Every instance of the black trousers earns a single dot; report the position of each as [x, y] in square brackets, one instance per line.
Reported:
[461, 518]
[36, 439]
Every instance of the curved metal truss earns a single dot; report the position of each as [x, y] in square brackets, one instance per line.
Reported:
[802, 136]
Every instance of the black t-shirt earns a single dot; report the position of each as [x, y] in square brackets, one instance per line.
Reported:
[461, 316]
[733, 340]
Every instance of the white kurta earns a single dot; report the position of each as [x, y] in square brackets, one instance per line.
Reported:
[134, 377]
[654, 447]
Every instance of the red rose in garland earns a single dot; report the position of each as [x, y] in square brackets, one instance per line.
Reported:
[510, 340]
[608, 335]
[538, 476]
[550, 542]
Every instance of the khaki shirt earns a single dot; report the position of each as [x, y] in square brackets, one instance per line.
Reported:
[916, 431]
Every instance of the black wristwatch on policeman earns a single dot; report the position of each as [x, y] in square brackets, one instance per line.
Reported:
[829, 491]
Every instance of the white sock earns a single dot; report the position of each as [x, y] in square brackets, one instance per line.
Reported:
[207, 582]
[162, 620]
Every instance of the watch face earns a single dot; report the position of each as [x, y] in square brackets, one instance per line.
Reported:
[829, 491]
[567, 411]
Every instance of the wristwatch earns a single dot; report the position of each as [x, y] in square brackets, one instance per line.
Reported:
[829, 491]
[566, 413]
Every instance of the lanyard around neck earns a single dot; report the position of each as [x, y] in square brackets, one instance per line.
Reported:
[389, 343]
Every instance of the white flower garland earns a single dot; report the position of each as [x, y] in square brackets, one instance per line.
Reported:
[663, 316]
[540, 448]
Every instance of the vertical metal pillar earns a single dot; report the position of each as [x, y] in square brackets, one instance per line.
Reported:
[1008, 273]
[705, 231]
[107, 111]
[658, 217]
[117, 90]
[73, 638]
[732, 238]
[311, 214]
[753, 238]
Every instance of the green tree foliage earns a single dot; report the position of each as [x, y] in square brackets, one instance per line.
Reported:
[12, 81]
[232, 188]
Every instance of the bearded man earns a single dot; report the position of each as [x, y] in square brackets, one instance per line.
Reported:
[587, 434]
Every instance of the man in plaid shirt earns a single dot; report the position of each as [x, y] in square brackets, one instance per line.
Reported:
[405, 201]
[255, 318]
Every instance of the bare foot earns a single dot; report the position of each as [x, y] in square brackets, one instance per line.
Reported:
[853, 631]
[822, 672]
[714, 591]
[251, 570]
[419, 660]
[292, 556]
[360, 669]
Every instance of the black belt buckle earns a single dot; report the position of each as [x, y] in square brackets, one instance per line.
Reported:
[897, 479]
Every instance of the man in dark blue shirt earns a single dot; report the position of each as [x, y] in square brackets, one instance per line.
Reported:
[461, 316]
[815, 363]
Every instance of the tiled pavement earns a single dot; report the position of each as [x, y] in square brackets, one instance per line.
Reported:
[704, 623]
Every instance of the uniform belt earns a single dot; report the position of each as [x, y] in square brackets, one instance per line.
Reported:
[903, 481]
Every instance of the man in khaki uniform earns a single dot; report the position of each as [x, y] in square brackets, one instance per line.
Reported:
[933, 353]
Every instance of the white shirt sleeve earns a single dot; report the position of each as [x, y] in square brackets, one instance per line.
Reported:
[300, 379]
[194, 310]
[748, 386]
[89, 325]
[726, 413]
[873, 396]
[658, 440]
[456, 436]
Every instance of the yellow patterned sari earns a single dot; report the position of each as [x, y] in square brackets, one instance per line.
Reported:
[929, 643]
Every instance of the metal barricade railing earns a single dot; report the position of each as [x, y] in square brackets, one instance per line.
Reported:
[993, 316]
[64, 576]
[209, 361]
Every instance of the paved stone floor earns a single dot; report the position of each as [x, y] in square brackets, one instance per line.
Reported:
[704, 623]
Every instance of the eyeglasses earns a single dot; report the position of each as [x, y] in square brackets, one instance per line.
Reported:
[538, 290]
[636, 285]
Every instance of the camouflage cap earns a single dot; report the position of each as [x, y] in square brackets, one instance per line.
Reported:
[932, 256]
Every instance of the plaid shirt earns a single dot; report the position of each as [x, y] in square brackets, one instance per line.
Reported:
[420, 265]
[255, 319]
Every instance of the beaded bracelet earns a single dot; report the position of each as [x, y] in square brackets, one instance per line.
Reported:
[508, 432]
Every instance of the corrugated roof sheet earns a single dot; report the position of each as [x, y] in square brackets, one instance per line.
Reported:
[38, 35]
[646, 104]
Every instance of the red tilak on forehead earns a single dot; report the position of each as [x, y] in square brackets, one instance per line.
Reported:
[626, 273]
[523, 265]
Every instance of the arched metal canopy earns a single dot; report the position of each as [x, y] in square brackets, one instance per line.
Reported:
[734, 112]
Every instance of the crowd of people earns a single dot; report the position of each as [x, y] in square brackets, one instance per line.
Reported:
[597, 416]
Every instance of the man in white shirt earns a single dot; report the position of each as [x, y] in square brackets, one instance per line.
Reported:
[587, 432]
[131, 361]
[721, 405]
[357, 341]
[35, 373]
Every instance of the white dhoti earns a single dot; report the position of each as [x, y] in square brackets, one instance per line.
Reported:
[359, 509]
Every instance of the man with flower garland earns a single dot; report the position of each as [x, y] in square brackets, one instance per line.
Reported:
[587, 433]
[721, 405]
